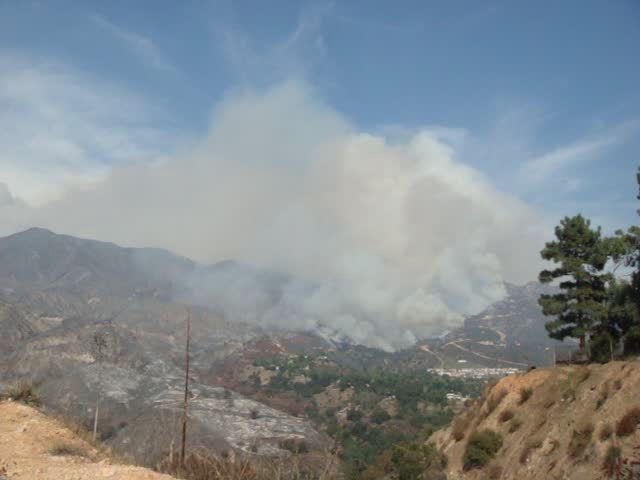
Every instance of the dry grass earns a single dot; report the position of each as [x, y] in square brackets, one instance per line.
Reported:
[506, 415]
[460, 426]
[494, 400]
[525, 394]
[23, 392]
[494, 471]
[201, 465]
[580, 440]
[604, 395]
[515, 425]
[530, 446]
[628, 424]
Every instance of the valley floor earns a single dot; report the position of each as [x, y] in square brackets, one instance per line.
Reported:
[36, 447]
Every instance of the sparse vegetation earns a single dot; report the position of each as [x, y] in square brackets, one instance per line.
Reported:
[605, 432]
[580, 439]
[531, 445]
[23, 392]
[481, 448]
[628, 423]
[525, 394]
[294, 446]
[460, 426]
[494, 400]
[61, 449]
[611, 459]
[515, 425]
[202, 465]
[408, 461]
[506, 415]
[494, 471]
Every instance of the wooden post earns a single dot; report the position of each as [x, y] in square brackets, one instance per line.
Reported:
[186, 391]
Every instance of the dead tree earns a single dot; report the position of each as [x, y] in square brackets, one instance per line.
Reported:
[185, 407]
[99, 345]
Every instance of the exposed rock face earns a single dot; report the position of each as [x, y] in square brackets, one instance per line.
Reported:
[562, 431]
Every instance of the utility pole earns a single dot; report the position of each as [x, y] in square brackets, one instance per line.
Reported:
[186, 391]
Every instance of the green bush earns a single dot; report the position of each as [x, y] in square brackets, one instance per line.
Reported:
[379, 416]
[415, 461]
[481, 448]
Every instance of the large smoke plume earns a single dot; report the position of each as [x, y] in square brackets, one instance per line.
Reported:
[387, 242]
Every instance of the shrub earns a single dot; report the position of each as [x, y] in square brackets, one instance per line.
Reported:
[515, 425]
[628, 424]
[525, 394]
[255, 414]
[605, 432]
[611, 459]
[415, 461]
[60, 449]
[380, 416]
[294, 446]
[580, 439]
[354, 415]
[506, 415]
[481, 448]
[23, 392]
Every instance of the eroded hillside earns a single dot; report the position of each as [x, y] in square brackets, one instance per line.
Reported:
[569, 422]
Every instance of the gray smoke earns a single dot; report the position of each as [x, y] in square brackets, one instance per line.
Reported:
[380, 243]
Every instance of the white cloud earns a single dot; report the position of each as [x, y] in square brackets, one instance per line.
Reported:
[59, 128]
[400, 239]
[142, 46]
[541, 168]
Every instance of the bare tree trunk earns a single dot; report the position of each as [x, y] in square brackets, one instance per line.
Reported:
[95, 418]
[100, 343]
[186, 391]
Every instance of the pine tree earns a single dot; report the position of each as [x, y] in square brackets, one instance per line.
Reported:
[580, 308]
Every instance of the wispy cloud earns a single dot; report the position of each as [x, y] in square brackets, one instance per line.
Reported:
[61, 127]
[538, 169]
[294, 54]
[142, 46]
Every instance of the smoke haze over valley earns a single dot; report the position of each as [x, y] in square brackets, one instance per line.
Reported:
[381, 241]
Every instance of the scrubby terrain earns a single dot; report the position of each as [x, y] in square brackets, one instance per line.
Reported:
[567, 422]
[34, 446]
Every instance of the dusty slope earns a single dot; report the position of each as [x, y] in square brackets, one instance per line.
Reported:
[542, 440]
[26, 438]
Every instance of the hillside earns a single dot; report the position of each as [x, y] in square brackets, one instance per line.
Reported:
[555, 423]
[34, 446]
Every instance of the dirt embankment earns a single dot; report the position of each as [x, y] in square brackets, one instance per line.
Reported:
[556, 423]
[36, 447]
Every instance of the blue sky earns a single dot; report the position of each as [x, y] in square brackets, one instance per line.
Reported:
[542, 97]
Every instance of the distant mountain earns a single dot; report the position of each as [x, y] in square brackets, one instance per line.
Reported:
[57, 292]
